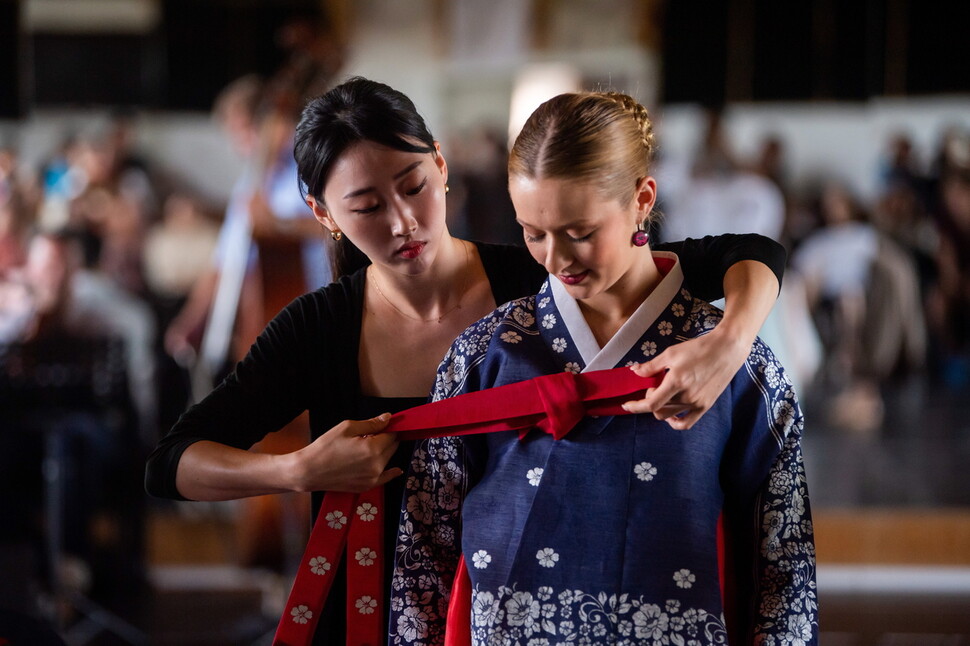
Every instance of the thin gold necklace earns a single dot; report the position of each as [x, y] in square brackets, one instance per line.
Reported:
[434, 318]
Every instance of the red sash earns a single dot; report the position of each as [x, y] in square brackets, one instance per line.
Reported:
[354, 522]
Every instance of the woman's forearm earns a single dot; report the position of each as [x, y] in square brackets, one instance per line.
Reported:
[351, 456]
[750, 291]
[213, 471]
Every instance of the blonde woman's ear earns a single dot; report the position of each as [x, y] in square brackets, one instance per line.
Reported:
[646, 195]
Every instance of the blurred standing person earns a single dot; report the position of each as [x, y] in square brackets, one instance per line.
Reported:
[719, 195]
[949, 304]
[480, 180]
[269, 250]
[16, 222]
[857, 281]
[261, 205]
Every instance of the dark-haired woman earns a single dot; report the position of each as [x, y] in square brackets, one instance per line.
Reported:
[371, 341]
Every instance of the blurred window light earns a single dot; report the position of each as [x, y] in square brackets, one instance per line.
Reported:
[535, 84]
[91, 16]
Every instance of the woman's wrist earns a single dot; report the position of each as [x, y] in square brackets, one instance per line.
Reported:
[734, 336]
[291, 471]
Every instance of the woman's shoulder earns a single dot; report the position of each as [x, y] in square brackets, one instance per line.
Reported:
[518, 313]
[483, 346]
[511, 270]
[327, 317]
[340, 299]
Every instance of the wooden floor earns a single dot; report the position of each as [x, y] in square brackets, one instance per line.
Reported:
[887, 577]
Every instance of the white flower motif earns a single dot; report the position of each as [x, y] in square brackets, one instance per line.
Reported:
[784, 414]
[645, 471]
[535, 476]
[481, 559]
[484, 607]
[301, 614]
[443, 535]
[780, 482]
[799, 631]
[677, 309]
[649, 348]
[523, 318]
[559, 344]
[771, 548]
[649, 622]
[366, 605]
[547, 557]
[319, 565]
[367, 511]
[665, 328]
[419, 505]
[573, 367]
[773, 523]
[522, 609]
[773, 605]
[543, 302]
[365, 556]
[772, 376]
[684, 578]
[548, 321]
[412, 624]
[335, 519]
[510, 337]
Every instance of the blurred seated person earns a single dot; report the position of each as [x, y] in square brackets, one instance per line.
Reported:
[58, 293]
[50, 308]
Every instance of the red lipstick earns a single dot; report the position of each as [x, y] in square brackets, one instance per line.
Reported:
[574, 279]
[411, 249]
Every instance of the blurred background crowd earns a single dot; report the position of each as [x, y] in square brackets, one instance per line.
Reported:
[122, 212]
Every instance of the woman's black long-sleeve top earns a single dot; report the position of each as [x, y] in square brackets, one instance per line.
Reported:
[306, 358]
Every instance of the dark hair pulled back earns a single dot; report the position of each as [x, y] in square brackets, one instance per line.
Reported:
[357, 110]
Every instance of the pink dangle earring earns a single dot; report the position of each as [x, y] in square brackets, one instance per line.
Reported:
[640, 236]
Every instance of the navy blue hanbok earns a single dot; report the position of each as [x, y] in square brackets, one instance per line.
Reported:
[610, 535]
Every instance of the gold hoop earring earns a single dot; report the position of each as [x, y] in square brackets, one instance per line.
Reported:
[336, 235]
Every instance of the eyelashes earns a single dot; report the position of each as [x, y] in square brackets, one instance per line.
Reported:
[410, 193]
[535, 239]
[418, 188]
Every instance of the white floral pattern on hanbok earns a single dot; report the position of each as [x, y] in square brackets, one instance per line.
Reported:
[608, 536]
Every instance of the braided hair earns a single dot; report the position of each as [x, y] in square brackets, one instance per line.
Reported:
[605, 138]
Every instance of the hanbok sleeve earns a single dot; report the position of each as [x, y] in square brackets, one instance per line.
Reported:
[429, 537]
[769, 521]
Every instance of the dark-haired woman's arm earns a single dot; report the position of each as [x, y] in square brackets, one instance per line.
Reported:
[747, 271]
[706, 261]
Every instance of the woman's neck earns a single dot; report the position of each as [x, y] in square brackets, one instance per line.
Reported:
[605, 313]
[433, 293]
